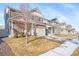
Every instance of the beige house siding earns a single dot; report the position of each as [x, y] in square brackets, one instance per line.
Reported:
[37, 24]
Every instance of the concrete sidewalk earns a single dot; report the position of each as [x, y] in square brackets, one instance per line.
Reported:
[65, 49]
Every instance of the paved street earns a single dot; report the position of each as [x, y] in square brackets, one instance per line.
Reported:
[5, 49]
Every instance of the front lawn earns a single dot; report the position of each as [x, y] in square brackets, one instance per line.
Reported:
[76, 52]
[35, 46]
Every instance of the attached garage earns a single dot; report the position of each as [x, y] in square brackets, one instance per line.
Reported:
[40, 31]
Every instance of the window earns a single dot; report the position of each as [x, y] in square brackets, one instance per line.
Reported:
[39, 19]
[32, 17]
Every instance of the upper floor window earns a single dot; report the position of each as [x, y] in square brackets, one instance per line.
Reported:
[39, 19]
[32, 17]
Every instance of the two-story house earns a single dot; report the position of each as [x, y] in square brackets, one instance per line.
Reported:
[36, 24]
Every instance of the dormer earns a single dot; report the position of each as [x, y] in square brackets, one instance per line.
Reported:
[36, 12]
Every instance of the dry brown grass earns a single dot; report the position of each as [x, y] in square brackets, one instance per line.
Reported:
[34, 47]
[76, 52]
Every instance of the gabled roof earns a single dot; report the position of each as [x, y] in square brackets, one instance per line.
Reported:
[55, 19]
[36, 10]
[13, 9]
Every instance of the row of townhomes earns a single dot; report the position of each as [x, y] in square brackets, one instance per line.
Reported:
[36, 24]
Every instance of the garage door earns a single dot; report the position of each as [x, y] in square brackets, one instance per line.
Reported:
[40, 32]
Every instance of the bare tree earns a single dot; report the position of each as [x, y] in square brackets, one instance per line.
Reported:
[26, 16]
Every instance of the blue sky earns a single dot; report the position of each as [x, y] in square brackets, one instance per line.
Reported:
[65, 12]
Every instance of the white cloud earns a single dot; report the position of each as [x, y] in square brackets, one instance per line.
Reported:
[71, 19]
[1, 19]
[51, 13]
[74, 17]
[68, 5]
[1, 15]
[75, 12]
